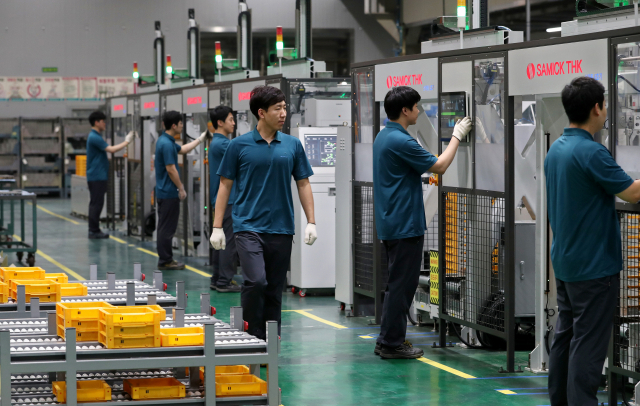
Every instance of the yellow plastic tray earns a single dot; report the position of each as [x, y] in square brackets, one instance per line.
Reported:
[4, 292]
[57, 277]
[240, 385]
[87, 391]
[227, 370]
[129, 316]
[54, 297]
[182, 336]
[155, 388]
[129, 342]
[132, 331]
[73, 289]
[36, 286]
[10, 273]
[89, 335]
[81, 325]
[71, 312]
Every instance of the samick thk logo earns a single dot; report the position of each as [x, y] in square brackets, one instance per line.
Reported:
[405, 80]
[554, 68]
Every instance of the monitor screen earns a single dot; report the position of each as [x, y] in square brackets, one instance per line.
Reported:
[321, 150]
[453, 107]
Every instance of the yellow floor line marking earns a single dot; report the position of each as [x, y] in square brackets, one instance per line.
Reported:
[507, 392]
[445, 368]
[56, 263]
[148, 252]
[57, 215]
[366, 337]
[132, 245]
[117, 239]
[306, 310]
[192, 269]
[321, 320]
[199, 272]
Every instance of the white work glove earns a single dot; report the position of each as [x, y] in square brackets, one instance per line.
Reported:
[310, 234]
[129, 138]
[218, 240]
[203, 136]
[462, 128]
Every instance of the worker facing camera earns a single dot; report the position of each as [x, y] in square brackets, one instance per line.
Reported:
[260, 164]
[582, 181]
[399, 162]
[169, 188]
[98, 169]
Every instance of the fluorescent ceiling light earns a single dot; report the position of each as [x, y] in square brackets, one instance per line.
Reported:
[554, 29]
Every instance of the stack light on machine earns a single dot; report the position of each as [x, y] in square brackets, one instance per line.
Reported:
[279, 46]
[136, 75]
[169, 67]
[462, 19]
[219, 59]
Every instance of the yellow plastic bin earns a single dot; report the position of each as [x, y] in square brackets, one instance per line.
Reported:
[240, 385]
[88, 391]
[182, 336]
[154, 388]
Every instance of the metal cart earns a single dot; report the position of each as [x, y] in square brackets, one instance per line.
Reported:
[8, 241]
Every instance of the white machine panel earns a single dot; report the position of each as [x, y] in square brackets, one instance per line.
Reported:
[150, 105]
[195, 100]
[119, 107]
[313, 267]
[174, 102]
[327, 112]
[214, 98]
[421, 75]
[344, 231]
[242, 93]
[548, 69]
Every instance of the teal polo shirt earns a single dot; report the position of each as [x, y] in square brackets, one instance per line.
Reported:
[398, 164]
[166, 154]
[262, 175]
[217, 148]
[582, 181]
[97, 161]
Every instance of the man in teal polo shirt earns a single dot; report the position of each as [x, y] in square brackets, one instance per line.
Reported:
[169, 187]
[399, 162]
[582, 181]
[98, 169]
[224, 261]
[261, 164]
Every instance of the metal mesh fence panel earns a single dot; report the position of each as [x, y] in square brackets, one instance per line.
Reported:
[627, 319]
[474, 245]
[363, 236]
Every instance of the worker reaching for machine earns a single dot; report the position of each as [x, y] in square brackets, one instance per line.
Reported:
[582, 180]
[169, 187]
[260, 164]
[399, 162]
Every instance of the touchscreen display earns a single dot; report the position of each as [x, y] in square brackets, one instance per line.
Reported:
[453, 107]
[321, 149]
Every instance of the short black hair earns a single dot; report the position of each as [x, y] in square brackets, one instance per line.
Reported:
[171, 117]
[96, 116]
[399, 97]
[580, 96]
[219, 113]
[263, 97]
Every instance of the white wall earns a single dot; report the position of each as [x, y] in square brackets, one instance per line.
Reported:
[104, 37]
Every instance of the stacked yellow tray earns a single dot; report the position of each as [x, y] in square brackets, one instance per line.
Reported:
[130, 326]
[83, 316]
[87, 391]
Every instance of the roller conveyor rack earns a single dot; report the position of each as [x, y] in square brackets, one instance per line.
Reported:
[32, 356]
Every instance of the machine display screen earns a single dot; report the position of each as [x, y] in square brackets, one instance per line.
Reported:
[321, 149]
[453, 107]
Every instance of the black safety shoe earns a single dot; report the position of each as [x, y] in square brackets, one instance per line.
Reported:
[171, 266]
[98, 236]
[377, 349]
[403, 351]
[228, 289]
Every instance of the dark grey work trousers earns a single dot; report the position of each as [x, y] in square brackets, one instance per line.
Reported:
[168, 215]
[583, 331]
[264, 259]
[404, 262]
[224, 261]
[97, 190]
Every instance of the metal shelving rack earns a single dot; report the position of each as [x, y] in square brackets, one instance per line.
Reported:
[10, 148]
[75, 132]
[41, 149]
[31, 360]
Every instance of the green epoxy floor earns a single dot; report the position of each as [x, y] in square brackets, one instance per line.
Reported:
[319, 364]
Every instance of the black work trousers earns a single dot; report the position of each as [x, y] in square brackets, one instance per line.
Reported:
[168, 215]
[404, 262]
[264, 259]
[224, 261]
[97, 190]
[583, 331]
